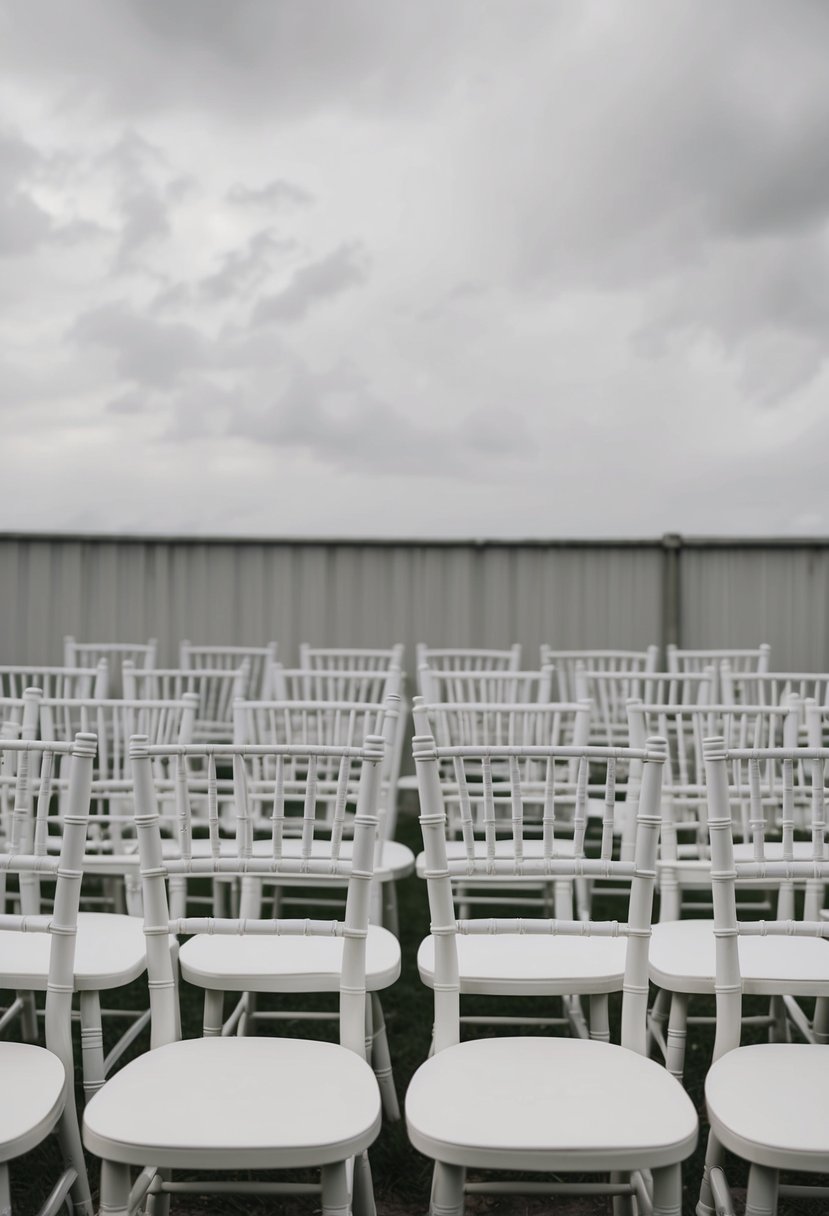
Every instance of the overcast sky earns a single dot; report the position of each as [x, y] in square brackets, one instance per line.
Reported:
[415, 267]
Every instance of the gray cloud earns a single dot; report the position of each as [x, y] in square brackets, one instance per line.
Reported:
[145, 351]
[244, 268]
[312, 284]
[24, 224]
[273, 194]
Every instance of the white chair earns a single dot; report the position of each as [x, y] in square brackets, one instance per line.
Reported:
[237, 1103]
[338, 722]
[537, 1103]
[494, 687]
[89, 654]
[259, 661]
[610, 692]
[370, 684]
[768, 1103]
[111, 948]
[38, 1083]
[682, 950]
[218, 964]
[216, 688]
[620, 661]
[56, 681]
[466, 658]
[682, 659]
[348, 658]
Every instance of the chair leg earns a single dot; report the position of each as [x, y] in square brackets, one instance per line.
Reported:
[69, 1137]
[820, 1025]
[115, 1189]
[5, 1190]
[714, 1157]
[599, 1017]
[362, 1200]
[677, 1035]
[92, 1043]
[28, 1017]
[658, 1018]
[761, 1195]
[380, 1058]
[214, 1004]
[390, 919]
[335, 1189]
[779, 1031]
[622, 1204]
[667, 1191]
[447, 1190]
[158, 1202]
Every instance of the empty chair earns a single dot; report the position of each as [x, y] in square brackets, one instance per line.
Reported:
[346, 658]
[89, 654]
[216, 688]
[768, 1103]
[621, 661]
[611, 690]
[461, 658]
[38, 1083]
[682, 659]
[111, 945]
[56, 681]
[238, 1103]
[682, 950]
[336, 723]
[493, 687]
[258, 659]
[537, 1103]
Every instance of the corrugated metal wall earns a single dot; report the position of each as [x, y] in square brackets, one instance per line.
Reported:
[571, 594]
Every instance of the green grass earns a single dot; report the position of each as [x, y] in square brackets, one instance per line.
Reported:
[401, 1176]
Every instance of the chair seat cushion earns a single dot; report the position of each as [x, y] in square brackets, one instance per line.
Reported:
[110, 951]
[527, 964]
[237, 963]
[236, 1103]
[682, 959]
[33, 1080]
[548, 1104]
[769, 1103]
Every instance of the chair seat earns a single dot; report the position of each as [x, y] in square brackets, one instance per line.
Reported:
[521, 964]
[33, 1081]
[396, 860]
[769, 1103]
[682, 959]
[236, 1103]
[284, 964]
[110, 951]
[548, 1104]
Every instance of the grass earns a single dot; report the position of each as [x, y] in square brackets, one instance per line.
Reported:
[401, 1176]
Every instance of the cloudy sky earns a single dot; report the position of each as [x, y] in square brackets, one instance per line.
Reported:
[415, 267]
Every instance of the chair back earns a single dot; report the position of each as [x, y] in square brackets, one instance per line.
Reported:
[682, 659]
[495, 687]
[258, 659]
[350, 658]
[216, 688]
[89, 654]
[565, 663]
[455, 658]
[56, 681]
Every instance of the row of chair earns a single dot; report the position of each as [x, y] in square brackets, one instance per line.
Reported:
[527, 1103]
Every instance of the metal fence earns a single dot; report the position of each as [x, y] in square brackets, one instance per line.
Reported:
[572, 594]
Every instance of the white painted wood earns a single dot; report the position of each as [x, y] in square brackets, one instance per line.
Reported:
[497, 1103]
[230, 1102]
